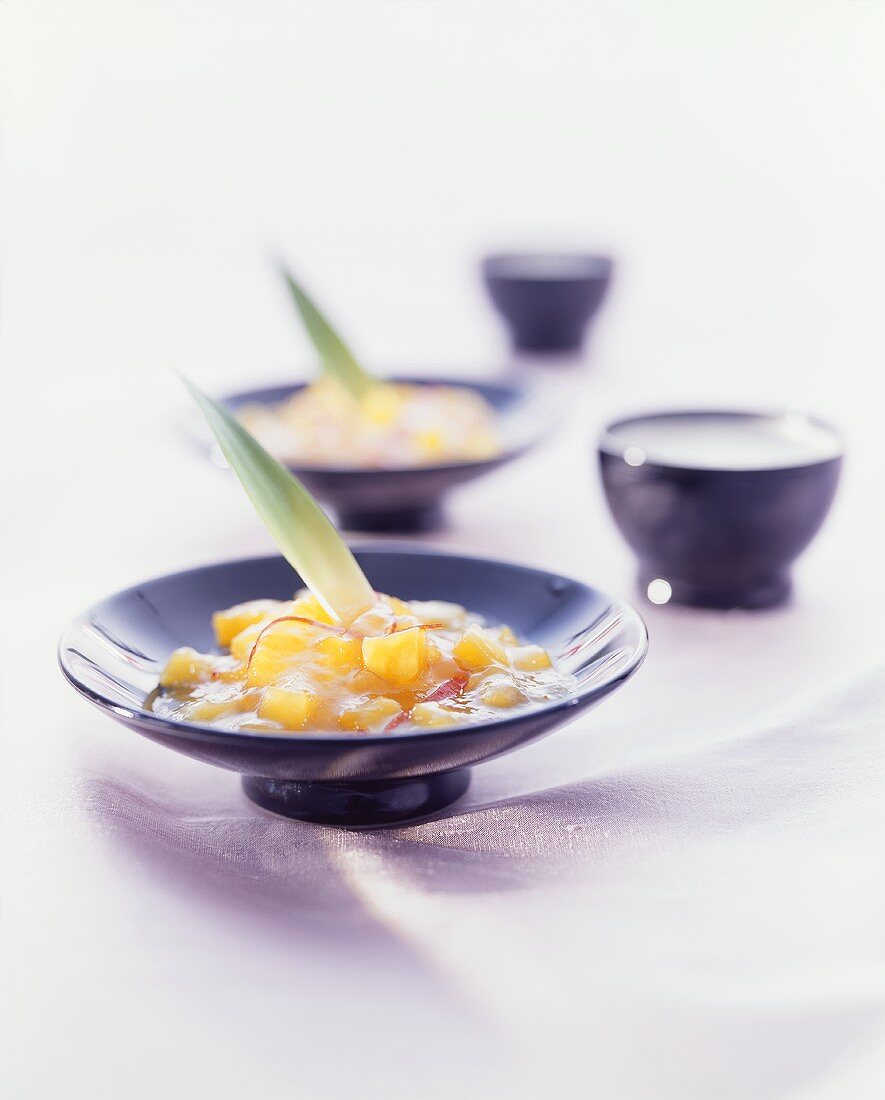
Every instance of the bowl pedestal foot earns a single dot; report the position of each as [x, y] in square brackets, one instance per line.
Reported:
[772, 591]
[365, 805]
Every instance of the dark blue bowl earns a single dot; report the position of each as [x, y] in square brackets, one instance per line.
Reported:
[715, 537]
[113, 653]
[410, 499]
[547, 300]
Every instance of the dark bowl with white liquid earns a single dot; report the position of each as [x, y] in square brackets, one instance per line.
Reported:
[717, 505]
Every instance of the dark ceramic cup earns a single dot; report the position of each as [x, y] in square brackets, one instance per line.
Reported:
[547, 300]
[113, 654]
[410, 499]
[718, 505]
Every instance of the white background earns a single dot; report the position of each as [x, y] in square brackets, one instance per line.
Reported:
[729, 155]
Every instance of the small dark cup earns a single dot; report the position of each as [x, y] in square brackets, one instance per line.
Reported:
[547, 299]
[711, 536]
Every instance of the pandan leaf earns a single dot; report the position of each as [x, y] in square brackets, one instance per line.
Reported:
[299, 526]
[334, 354]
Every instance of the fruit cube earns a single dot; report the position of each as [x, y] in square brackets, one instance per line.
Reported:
[227, 624]
[186, 666]
[277, 650]
[399, 658]
[431, 443]
[477, 649]
[437, 611]
[371, 716]
[341, 654]
[309, 607]
[208, 710]
[432, 714]
[530, 658]
[500, 693]
[506, 636]
[399, 607]
[479, 445]
[241, 644]
[381, 405]
[292, 709]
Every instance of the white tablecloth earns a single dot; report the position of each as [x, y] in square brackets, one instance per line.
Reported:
[679, 895]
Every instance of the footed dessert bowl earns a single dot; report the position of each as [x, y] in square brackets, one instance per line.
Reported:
[114, 653]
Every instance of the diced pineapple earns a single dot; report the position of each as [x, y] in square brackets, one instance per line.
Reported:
[432, 714]
[241, 644]
[209, 710]
[372, 715]
[506, 636]
[399, 658]
[341, 654]
[292, 709]
[480, 444]
[309, 607]
[399, 607]
[226, 670]
[382, 404]
[500, 693]
[277, 651]
[431, 443]
[437, 611]
[227, 624]
[530, 658]
[477, 649]
[186, 666]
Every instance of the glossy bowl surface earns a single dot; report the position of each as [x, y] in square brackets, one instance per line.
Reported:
[717, 537]
[547, 299]
[112, 654]
[410, 499]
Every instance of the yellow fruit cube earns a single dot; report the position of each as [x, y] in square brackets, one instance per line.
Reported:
[292, 709]
[451, 615]
[227, 624]
[530, 658]
[399, 658]
[432, 714]
[186, 666]
[309, 607]
[500, 693]
[381, 405]
[481, 445]
[209, 710]
[341, 654]
[477, 649]
[506, 636]
[241, 644]
[431, 443]
[370, 716]
[399, 607]
[277, 651]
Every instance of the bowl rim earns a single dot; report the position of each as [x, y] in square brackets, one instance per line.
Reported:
[206, 732]
[520, 391]
[504, 265]
[608, 446]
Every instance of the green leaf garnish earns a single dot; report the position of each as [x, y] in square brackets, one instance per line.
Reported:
[299, 526]
[336, 357]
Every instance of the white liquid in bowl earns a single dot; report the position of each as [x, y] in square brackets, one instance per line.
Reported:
[723, 441]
